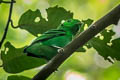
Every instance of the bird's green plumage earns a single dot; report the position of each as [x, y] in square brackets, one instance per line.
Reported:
[46, 45]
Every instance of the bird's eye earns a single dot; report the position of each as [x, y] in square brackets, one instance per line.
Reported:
[69, 21]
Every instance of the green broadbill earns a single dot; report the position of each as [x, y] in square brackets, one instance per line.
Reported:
[47, 45]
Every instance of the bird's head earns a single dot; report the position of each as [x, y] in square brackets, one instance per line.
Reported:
[71, 25]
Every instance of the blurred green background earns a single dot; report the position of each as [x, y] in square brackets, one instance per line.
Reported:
[80, 66]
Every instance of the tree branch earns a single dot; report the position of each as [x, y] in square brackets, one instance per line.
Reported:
[7, 25]
[111, 18]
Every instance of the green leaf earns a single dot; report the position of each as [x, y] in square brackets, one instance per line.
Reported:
[106, 47]
[88, 22]
[15, 61]
[33, 22]
[16, 77]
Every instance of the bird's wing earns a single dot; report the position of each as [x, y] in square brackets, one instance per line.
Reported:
[49, 35]
[39, 50]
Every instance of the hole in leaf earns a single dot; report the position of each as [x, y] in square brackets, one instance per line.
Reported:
[46, 19]
[101, 37]
[38, 34]
[108, 31]
[109, 44]
[6, 50]
[62, 21]
[85, 27]
[37, 19]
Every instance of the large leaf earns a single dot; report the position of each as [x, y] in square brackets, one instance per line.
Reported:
[14, 60]
[16, 77]
[106, 47]
[33, 22]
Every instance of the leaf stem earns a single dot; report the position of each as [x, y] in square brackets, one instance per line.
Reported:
[13, 24]
[7, 25]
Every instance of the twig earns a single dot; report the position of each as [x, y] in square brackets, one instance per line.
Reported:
[111, 18]
[7, 25]
[13, 24]
[7, 2]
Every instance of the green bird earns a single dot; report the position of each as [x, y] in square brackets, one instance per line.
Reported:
[46, 46]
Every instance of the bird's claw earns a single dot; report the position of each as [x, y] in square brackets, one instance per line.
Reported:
[60, 50]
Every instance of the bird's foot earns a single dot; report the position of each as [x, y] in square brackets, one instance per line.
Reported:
[61, 50]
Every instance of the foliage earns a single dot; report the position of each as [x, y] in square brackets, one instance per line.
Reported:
[27, 22]
[55, 16]
[15, 61]
[107, 47]
[14, 77]
[15, 55]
